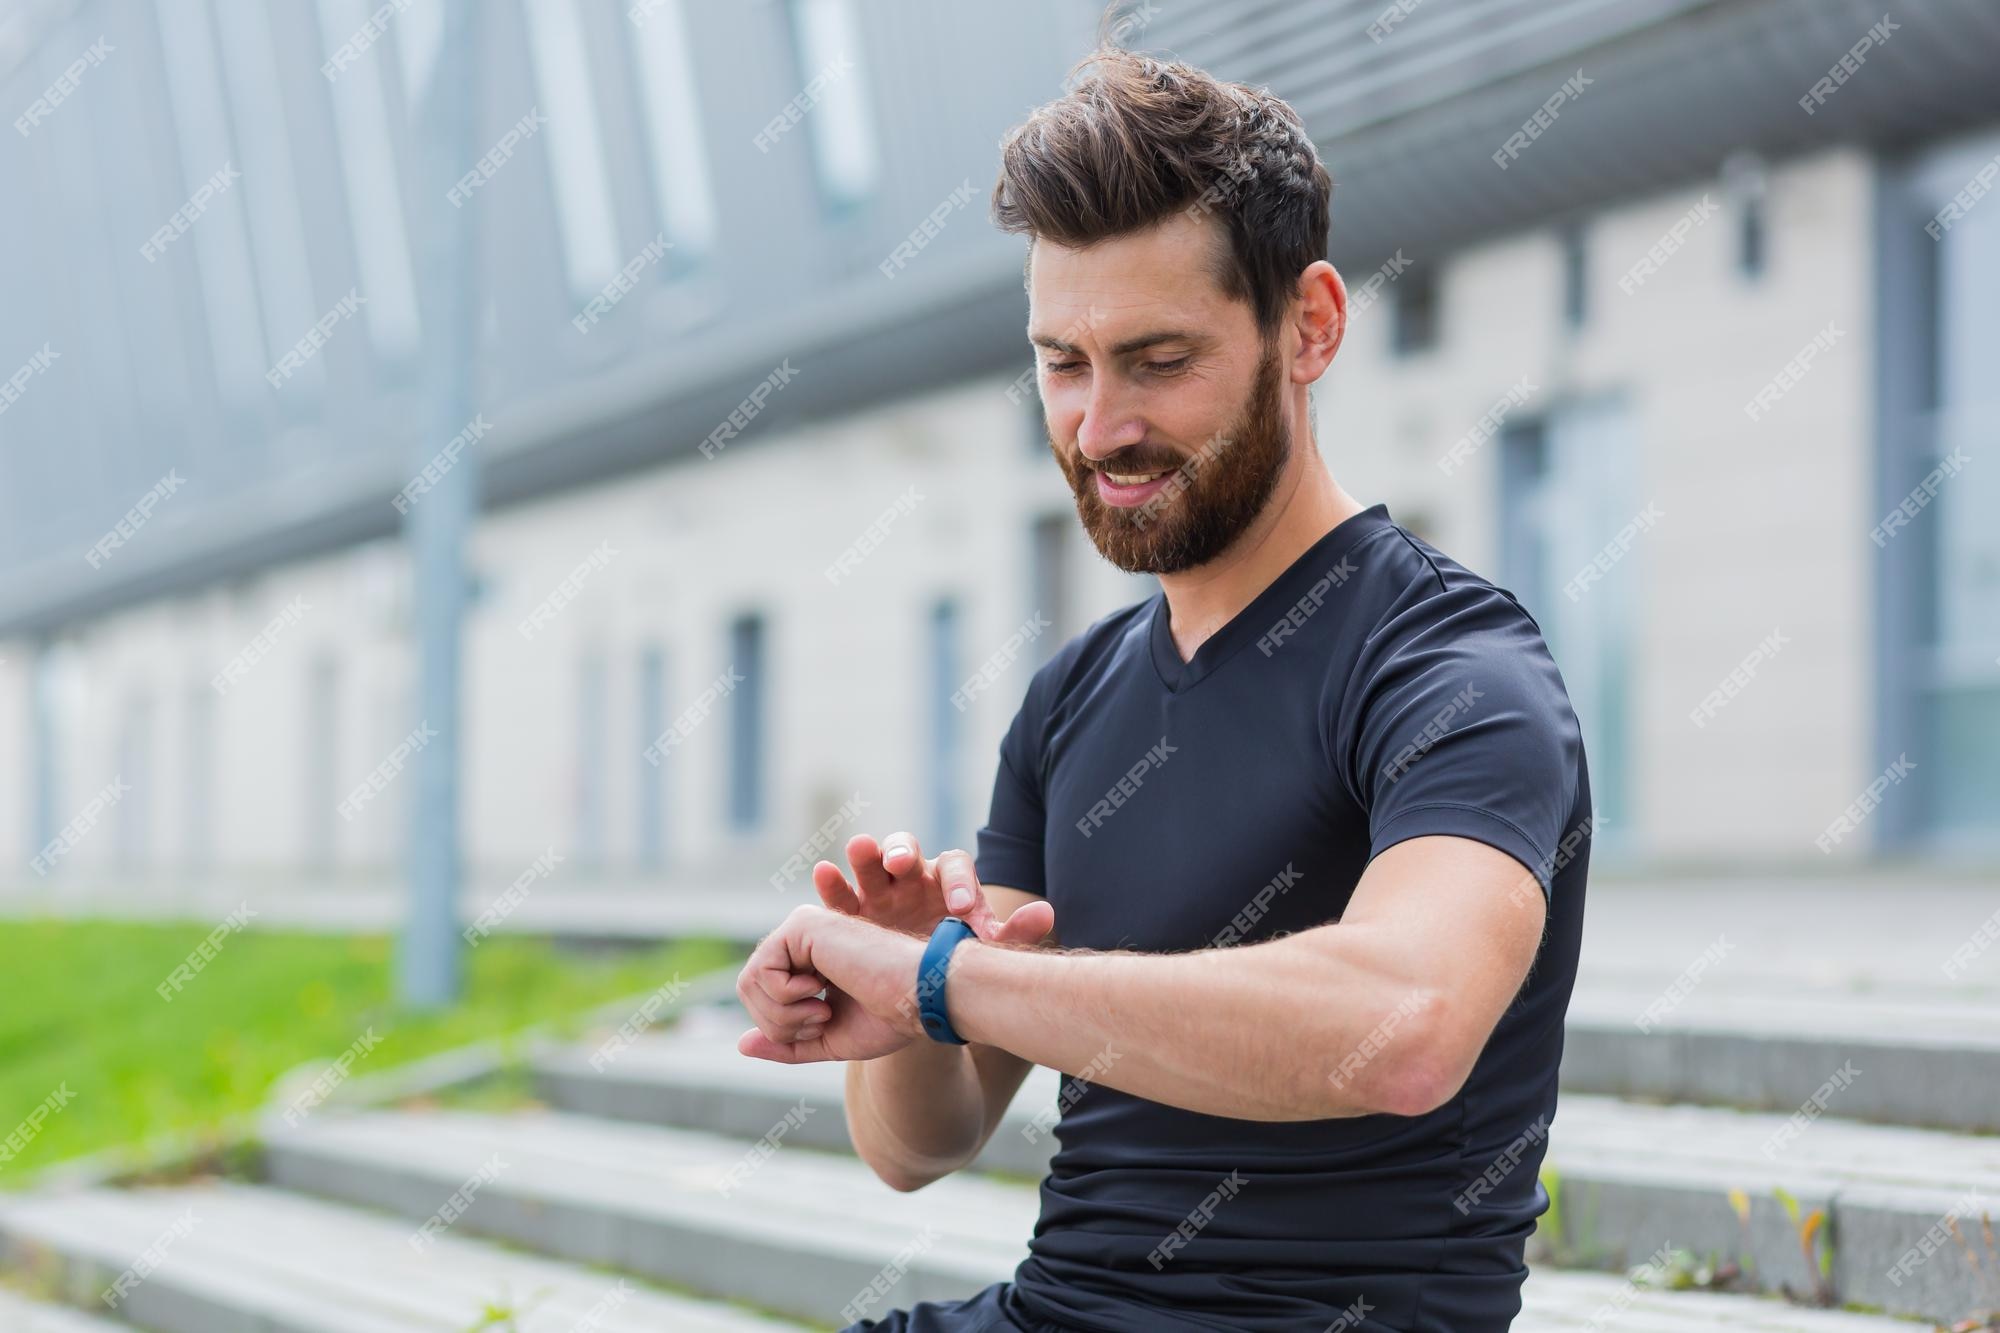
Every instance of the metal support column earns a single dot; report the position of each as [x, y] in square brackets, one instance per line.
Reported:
[441, 521]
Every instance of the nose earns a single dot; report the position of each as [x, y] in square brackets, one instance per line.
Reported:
[1105, 427]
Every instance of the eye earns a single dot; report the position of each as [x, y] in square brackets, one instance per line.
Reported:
[1061, 367]
[1168, 367]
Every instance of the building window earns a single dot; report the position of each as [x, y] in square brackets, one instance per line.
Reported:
[322, 761]
[577, 170]
[1030, 397]
[652, 776]
[681, 187]
[826, 39]
[198, 753]
[221, 243]
[1048, 579]
[1744, 181]
[1750, 238]
[135, 769]
[277, 228]
[1938, 602]
[418, 34]
[746, 723]
[1575, 275]
[1414, 313]
[592, 680]
[946, 715]
[374, 201]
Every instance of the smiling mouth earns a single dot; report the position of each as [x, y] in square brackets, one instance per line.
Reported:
[1128, 490]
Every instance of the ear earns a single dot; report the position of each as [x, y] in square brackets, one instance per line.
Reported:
[1322, 319]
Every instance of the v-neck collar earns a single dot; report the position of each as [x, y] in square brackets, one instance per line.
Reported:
[1263, 610]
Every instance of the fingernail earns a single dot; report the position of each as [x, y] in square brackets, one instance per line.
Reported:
[807, 1034]
[960, 899]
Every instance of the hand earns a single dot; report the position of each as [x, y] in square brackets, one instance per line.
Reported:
[869, 974]
[896, 887]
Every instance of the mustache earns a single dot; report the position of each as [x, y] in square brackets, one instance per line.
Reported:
[1129, 464]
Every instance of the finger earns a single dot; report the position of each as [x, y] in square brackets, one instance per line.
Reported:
[784, 1022]
[870, 875]
[793, 986]
[1030, 923]
[834, 889]
[962, 896]
[902, 858]
[772, 978]
[760, 1047]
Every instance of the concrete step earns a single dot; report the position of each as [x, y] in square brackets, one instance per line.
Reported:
[802, 1231]
[1553, 1301]
[692, 1076]
[236, 1258]
[1932, 1061]
[781, 1226]
[18, 1314]
[1628, 1177]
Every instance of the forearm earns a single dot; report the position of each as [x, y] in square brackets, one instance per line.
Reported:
[1300, 1028]
[917, 1114]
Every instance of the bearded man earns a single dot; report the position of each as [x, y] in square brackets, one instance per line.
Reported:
[1284, 867]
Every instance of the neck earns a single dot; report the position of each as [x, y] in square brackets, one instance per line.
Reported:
[1307, 505]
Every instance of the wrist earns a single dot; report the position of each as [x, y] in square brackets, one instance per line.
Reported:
[930, 993]
[964, 974]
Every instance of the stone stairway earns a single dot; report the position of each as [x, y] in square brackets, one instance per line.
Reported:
[681, 1177]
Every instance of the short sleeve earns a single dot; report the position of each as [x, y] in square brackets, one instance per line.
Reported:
[1009, 849]
[1465, 729]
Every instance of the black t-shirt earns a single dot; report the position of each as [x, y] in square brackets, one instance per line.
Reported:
[1376, 691]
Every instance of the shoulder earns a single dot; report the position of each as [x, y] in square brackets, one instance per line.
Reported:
[1449, 661]
[1430, 612]
[1089, 655]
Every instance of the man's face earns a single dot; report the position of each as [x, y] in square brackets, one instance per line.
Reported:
[1174, 446]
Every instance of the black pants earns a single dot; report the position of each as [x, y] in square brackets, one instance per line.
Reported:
[986, 1312]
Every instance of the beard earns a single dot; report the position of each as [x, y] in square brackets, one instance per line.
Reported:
[1212, 496]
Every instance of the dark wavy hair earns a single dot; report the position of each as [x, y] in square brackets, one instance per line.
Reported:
[1136, 140]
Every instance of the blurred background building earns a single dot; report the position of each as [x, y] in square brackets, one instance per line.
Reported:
[751, 409]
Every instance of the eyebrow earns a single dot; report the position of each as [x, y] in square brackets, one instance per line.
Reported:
[1139, 343]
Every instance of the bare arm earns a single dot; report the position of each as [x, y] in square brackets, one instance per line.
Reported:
[928, 1109]
[1383, 1011]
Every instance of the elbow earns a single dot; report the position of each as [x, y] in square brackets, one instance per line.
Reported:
[901, 1176]
[1420, 1085]
[903, 1172]
[1409, 1064]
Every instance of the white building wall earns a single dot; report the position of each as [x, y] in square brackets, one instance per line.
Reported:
[1765, 527]
[690, 546]
[1765, 522]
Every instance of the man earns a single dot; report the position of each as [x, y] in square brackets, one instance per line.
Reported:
[1284, 866]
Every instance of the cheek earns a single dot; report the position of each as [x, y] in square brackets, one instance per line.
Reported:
[1062, 409]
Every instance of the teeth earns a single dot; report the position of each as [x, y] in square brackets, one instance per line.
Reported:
[1136, 479]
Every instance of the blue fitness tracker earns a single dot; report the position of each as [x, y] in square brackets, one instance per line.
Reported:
[947, 935]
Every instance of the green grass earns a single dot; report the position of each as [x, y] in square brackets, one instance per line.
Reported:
[79, 1010]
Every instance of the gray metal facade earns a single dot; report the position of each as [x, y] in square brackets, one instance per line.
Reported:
[1406, 124]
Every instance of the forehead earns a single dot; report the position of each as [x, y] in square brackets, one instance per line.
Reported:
[1163, 276]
